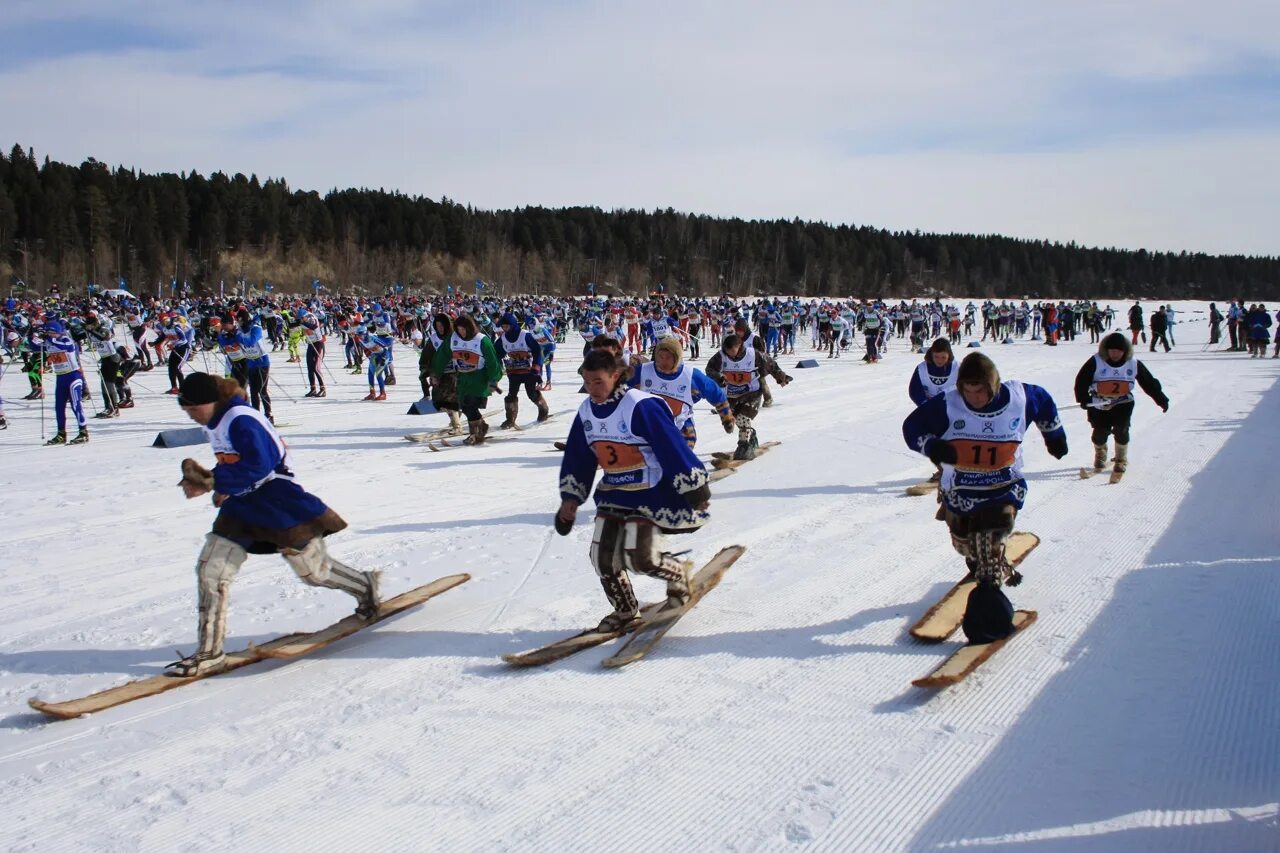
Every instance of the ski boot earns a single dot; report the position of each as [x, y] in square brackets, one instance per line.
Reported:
[82, 437]
[3, 423]
[202, 663]
[321, 392]
[512, 407]
[58, 438]
[617, 621]
[310, 393]
[1099, 457]
[382, 395]
[744, 451]
[679, 590]
[372, 395]
[544, 410]
[367, 609]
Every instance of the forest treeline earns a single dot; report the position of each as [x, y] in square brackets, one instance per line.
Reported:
[73, 225]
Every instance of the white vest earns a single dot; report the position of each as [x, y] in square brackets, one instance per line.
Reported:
[220, 441]
[628, 462]
[988, 446]
[519, 357]
[1112, 385]
[740, 376]
[677, 392]
[468, 357]
[935, 385]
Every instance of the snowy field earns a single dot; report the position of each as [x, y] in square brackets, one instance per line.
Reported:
[1140, 713]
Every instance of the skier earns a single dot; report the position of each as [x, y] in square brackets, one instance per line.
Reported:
[377, 346]
[257, 363]
[472, 357]
[975, 433]
[680, 385]
[58, 350]
[522, 359]
[652, 485]
[933, 376]
[739, 369]
[444, 393]
[261, 510]
[179, 337]
[309, 324]
[1104, 389]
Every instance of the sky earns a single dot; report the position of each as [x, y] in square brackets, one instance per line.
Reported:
[1136, 125]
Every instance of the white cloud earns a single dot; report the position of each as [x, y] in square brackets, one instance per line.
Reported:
[779, 110]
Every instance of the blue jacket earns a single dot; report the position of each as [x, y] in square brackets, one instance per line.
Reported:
[929, 422]
[667, 503]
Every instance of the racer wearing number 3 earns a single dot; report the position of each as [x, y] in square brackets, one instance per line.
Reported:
[975, 433]
[652, 484]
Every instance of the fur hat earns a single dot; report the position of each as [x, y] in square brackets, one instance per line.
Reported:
[1115, 340]
[977, 369]
[672, 345]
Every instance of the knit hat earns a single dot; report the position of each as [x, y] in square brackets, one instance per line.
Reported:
[198, 389]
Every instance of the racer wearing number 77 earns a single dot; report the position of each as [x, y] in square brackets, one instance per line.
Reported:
[975, 432]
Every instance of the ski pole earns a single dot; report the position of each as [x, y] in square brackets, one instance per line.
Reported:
[281, 389]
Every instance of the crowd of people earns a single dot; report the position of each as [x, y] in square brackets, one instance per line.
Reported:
[634, 427]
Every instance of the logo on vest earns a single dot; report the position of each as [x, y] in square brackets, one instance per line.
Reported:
[988, 426]
[1013, 424]
[958, 425]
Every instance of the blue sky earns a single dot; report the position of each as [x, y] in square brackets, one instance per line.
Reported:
[1145, 124]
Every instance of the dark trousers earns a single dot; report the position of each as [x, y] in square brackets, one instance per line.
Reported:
[315, 354]
[1109, 422]
[177, 358]
[259, 378]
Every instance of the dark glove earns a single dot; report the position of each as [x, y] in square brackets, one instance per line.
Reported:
[720, 380]
[728, 424]
[784, 381]
[940, 452]
[698, 496]
[1057, 447]
[1164, 405]
[563, 527]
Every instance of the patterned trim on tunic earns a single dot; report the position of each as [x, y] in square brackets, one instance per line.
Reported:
[572, 485]
[669, 520]
[695, 479]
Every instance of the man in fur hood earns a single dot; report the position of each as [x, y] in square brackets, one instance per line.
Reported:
[1104, 389]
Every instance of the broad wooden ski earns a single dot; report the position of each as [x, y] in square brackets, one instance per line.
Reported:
[968, 658]
[925, 487]
[494, 436]
[655, 627]
[424, 437]
[587, 639]
[721, 460]
[942, 619]
[720, 473]
[288, 646]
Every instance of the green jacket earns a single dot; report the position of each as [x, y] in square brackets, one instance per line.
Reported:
[477, 383]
